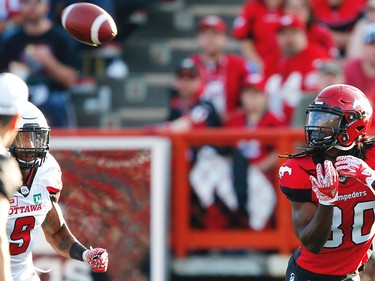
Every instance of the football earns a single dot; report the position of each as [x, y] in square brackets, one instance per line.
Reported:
[88, 23]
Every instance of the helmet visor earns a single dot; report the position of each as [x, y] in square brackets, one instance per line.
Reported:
[30, 147]
[322, 128]
[323, 119]
[31, 139]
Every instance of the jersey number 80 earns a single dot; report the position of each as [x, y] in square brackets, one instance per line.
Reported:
[357, 234]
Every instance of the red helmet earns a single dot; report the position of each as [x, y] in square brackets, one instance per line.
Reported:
[339, 116]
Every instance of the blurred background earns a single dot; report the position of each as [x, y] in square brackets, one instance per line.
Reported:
[168, 137]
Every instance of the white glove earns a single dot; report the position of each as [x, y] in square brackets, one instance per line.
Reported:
[326, 185]
[96, 258]
[354, 167]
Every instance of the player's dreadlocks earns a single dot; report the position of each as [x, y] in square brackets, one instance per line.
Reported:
[359, 150]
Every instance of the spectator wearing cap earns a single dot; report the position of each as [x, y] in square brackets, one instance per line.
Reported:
[221, 72]
[295, 73]
[186, 110]
[329, 72]
[316, 32]
[340, 17]
[258, 159]
[360, 72]
[255, 27]
[254, 108]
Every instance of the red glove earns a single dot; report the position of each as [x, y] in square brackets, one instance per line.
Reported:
[326, 186]
[96, 258]
[357, 168]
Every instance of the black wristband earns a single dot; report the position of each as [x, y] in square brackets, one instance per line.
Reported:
[76, 251]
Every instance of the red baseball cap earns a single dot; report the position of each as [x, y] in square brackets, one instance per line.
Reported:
[256, 81]
[290, 21]
[212, 22]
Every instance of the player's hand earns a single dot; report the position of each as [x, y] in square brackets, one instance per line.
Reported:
[326, 183]
[357, 168]
[96, 258]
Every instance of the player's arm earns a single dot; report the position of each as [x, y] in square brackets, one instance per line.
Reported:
[312, 224]
[5, 274]
[64, 243]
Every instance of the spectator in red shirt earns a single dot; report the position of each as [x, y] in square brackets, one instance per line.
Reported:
[295, 72]
[316, 32]
[254, 163]
[254, 114]
[329, 72]
[339, 16]
[256, 27]
[222, 73]
[360, 72]
[186, 110]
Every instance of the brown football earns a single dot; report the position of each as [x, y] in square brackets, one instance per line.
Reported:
[88, 23]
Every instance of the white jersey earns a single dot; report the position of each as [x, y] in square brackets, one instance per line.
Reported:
[28, 209]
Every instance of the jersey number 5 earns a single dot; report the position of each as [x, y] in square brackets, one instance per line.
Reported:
[21, 232]
[358, 236]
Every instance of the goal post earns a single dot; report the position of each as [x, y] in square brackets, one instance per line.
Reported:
[148, 159]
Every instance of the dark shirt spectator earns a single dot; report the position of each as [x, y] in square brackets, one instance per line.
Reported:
[186, 110]
[43, 55]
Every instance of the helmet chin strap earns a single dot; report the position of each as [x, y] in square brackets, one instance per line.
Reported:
[345, 148]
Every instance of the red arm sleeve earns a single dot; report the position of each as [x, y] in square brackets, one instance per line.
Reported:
[242, 25]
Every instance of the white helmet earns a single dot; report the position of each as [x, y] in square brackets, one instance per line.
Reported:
[13, 94]
[31, 144]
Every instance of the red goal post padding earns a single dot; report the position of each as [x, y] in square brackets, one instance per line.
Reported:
[280, 238]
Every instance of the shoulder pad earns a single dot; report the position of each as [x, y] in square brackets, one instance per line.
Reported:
[295, 181]
[49, 175]
[295, 173]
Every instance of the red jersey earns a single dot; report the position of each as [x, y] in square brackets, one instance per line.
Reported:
[353, 228]
[259, 24]
[354, 75]
[341, 18]
[321, 35]
[303, 63]
[222, 81]
[254, 150]
[292, 77]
